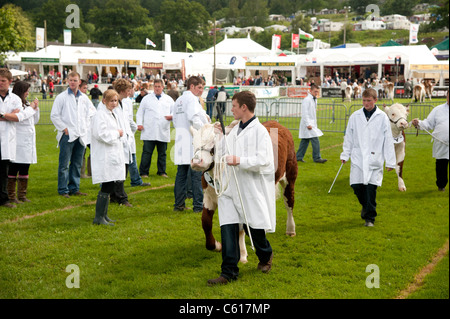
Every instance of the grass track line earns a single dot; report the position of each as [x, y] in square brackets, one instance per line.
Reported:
[75, 206]
[419, 278]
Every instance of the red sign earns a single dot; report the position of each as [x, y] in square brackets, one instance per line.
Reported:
[295, 40]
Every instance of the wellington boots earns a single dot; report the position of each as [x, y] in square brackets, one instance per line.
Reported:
[109, 220]
[22, 189]
[12, 190]
[102, 202]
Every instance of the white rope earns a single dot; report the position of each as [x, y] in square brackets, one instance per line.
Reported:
[220, 166]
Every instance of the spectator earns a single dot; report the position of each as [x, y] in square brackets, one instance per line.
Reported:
[95, 95]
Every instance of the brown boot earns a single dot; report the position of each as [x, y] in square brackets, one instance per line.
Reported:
[12, 190]
[22, 189]
[265, 268]
[218, 281]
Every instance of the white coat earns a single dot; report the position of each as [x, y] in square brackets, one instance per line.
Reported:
[122, 116]
[256, 178]
[75, 116]
[92, 111]
[128, 112]
[438, 121]
[7, 128]
[107, 156]
[368, 144]
[151, 114]
[309, 118]
[187, 112]
[26, 137]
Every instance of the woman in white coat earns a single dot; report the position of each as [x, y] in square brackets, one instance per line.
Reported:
[107, 157]
[308, 131]
[25, 145]
[369, 144]
[251, 151]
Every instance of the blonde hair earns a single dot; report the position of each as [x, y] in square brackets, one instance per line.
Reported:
[108, 95]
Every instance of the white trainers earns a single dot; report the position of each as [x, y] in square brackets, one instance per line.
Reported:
[368, 224]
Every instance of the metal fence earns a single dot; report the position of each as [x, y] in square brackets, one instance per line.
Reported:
[332, 113]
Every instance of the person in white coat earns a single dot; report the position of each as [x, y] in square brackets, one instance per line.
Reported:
[251, 152]
[25, 145]
[153, 120]
[368, 143]
[438, 121]
[71, 115]
[10, 106]
[107, 156]
[308, 131]
[188, 112]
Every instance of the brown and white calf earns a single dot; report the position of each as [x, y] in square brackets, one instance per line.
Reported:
[398, 115]
[388, 90]
[285, 176]
[419, 93]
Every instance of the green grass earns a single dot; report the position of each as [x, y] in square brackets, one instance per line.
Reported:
[153, 252]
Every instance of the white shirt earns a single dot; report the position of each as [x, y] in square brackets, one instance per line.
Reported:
[309, 118]
[187, 112]
[151, 114]
[72, 112]
[438, 121]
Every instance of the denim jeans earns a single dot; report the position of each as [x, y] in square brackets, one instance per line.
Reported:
[304, 146]
[181, 188]
[69, 169]
[135, 178]
[146, 158]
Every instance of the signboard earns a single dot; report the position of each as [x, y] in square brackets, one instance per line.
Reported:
[39, 60]
[152, 65]
[270, 64]
[108, 62]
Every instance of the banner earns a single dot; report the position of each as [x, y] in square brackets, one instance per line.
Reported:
[40, 35]
[413, 31]
[276, 42]
[305, 36]
[149, 42]
[67, 37]
[295, 40]
[167, 43]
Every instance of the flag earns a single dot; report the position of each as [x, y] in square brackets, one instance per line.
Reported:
[413, 31]
[189, 46]
[149, 42]
[295, 40]
[305, 36]
[167, 43]
[67, 37]
[276, 42]
[40, 38]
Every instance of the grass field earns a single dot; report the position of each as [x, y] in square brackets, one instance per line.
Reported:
[153, 252]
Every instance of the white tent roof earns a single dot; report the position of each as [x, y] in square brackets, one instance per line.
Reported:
[244, 47]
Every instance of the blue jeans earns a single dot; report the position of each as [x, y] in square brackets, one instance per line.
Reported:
[135, 178]
[69, 169]
[181, 188]
[304, 146]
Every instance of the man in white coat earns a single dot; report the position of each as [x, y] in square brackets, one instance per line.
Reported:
[369, 144]
[438, 121]
[188, 112]
[71, 115]
[251, 152]
[153, 121]
[10, 105]
[309, 132]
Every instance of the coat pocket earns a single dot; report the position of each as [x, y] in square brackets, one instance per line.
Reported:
[375, 160]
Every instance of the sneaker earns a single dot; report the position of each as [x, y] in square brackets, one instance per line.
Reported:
[301, 160]
[126, 204]
[9, 205]
[145, 184]
[368, 224]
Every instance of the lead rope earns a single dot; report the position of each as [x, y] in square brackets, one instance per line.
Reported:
[220, 167]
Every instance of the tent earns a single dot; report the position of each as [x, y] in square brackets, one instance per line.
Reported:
[442, 45]
[390, 43]
[244, 47]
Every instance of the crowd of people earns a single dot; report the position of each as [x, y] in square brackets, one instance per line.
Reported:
[108, 128]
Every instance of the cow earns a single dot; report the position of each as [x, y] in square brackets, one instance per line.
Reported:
[348, 93]
[398, 115]
[285, 176]
[419, 93]
[428, 85]
[388, 90]
[357, 92]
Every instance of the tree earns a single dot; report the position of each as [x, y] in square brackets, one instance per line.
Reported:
[255, 13]
[301, 22]
[403, 7]
[16, 31]
[184, 21]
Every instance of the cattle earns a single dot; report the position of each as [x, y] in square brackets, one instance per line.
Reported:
[357, 92]
[388, 90]
[398, 115]
[348, 93]
[419, 93]
[285, 176]
[428, 85]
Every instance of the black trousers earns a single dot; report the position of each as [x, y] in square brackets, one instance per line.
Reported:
[367, 195]
[3, 180]
[119, 195]
[231, 252]
[441, 172]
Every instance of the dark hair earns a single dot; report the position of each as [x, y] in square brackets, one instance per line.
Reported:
[314, 86]
[247, 98]
[83, 82]
[193, 80]
[19, 89]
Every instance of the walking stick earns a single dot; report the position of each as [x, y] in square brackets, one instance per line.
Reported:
[336, 177]
[219, 113]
